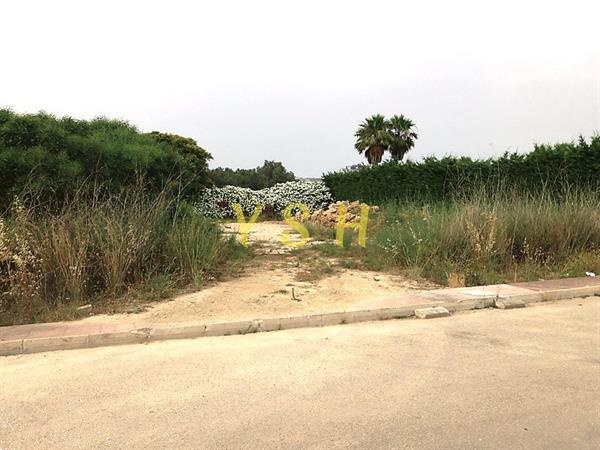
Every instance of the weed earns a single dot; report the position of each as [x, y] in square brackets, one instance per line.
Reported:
[491, 238]
[103, 251]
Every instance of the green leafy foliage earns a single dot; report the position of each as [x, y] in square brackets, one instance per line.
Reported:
[372, 138]
[552, 168]
[377, 135]
[269, 174]
[53, 156]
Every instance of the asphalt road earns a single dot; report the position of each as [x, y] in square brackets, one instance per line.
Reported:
[493, 379]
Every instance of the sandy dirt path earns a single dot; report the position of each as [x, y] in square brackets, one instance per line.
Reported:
[276, 282]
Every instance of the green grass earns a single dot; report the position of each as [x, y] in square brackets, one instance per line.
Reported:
[319, 232]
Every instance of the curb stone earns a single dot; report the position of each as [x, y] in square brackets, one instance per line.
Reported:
[116, 338]
[563, 294]
[181, 332]
[551, 295]
[509, 303]
[9, 348]
[48, 344]
[432, 313]
[467, 305]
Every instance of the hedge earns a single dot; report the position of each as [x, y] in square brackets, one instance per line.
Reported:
[551, 168]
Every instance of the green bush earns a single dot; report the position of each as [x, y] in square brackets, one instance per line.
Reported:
[52, 157]
[548, 168]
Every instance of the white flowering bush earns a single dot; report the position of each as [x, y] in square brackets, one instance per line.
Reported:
[217, 202]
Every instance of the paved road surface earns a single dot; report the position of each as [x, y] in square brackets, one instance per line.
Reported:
[489, 379]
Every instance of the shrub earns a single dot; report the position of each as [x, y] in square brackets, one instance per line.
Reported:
[551, 169]
[52, 157]
[217, 202]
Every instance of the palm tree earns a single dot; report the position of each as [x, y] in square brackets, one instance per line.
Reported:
[402, 136]
[372, 138]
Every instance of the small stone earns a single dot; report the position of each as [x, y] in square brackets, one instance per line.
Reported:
[508, 303]
[431, 313]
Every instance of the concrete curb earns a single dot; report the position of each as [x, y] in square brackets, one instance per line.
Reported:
[552, 294]
[189, 331]
[145, 335]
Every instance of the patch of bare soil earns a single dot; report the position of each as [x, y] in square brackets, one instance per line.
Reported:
[277, 282]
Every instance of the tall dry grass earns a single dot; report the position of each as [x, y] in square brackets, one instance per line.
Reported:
[492, 238]
[103, 249]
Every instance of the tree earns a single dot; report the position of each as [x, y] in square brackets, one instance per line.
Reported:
[373, 138]
[194, 170]
[376, 135]
[402, 134]
[267, 175]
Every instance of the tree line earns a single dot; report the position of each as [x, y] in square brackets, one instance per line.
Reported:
[267, 175]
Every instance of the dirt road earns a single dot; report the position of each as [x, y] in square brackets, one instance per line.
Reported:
[493, 379]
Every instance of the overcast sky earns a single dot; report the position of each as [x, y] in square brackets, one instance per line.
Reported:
[290, 81]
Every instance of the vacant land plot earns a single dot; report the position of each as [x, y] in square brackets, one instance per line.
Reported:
[277, 281]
